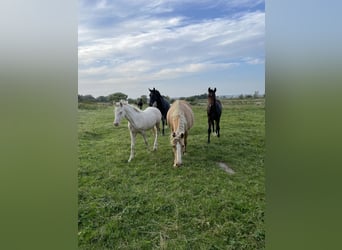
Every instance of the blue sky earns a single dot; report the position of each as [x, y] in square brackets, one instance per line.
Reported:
[180, 47]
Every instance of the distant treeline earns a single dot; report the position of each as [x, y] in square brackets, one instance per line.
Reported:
[115, 97]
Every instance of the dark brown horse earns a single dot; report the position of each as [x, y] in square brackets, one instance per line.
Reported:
[214, 111]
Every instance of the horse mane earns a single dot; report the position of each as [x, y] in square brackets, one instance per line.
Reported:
[157, 93]
[181, 113]
[178, 125]
[120, 102]
[181, 121]
[135, 108]
[124, 102]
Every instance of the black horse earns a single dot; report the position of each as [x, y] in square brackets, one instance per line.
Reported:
[214, 111]
[140, 103]
[156, 100]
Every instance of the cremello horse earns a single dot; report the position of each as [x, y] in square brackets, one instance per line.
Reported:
[138, 122]
[180, 119]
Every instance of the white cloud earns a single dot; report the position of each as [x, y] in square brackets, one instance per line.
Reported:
[102, 4]
[150, 47]
[195, 41]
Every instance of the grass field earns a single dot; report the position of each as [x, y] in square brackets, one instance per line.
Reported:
[148, 204]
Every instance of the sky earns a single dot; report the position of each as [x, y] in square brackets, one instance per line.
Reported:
[180, 47]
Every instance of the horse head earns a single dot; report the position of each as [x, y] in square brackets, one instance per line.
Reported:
[155, 97]
[211, 96]
[119, 112]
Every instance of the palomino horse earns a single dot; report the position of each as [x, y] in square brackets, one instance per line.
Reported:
[138, 122]
[180, 119]
[156, 100]
[214, 111]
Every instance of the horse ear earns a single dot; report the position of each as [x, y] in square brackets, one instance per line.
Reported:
[149, 89]
[215, 90]
[208, 89]
[121, 104]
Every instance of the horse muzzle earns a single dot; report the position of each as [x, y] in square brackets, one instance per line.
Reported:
[177, 164]
[115, 124]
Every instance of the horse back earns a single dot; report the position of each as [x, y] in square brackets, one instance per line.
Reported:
[189, 115]
[165, 106]
[180, 108]
[153, 112]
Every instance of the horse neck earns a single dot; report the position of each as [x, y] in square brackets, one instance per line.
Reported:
[212, 102]
[212, 99]
[159, 102]
[213, 107]
[131, 114]
[180, 123]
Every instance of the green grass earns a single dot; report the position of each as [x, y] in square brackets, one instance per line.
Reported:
[148, 204]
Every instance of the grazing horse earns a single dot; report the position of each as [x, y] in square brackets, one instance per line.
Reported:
[156, 100]
[214, 111]
[180, 119]
[138, 122]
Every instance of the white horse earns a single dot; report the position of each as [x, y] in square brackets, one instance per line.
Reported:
[138, 122]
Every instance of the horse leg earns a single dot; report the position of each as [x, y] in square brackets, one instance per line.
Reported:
[209, 130]
[155, 145]
[133, 136]
[214, 124]
[185, 141]
[158, 126]
[218, 127]
[163, 121]
[144, 136]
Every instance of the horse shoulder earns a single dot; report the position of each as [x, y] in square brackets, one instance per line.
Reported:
[173, 120]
